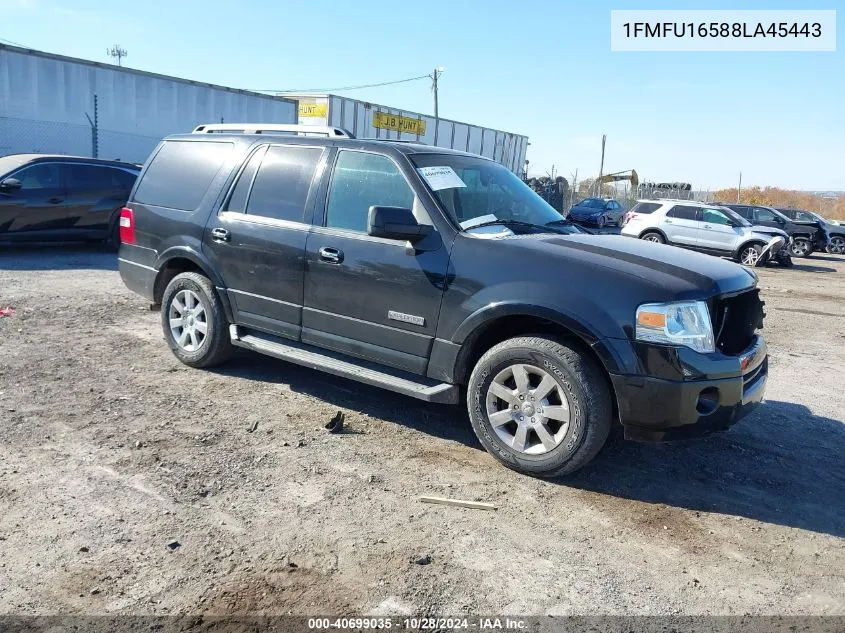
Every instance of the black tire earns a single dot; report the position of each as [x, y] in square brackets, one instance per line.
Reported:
[801, 247]
[653, 236]
[112, 241]
[215, 348]
[575, 374]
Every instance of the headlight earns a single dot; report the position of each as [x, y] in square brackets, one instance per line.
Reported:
[681, 323]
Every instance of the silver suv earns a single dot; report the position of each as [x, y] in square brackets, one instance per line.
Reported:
[707, 228]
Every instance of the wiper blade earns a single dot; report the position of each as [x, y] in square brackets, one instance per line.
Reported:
[504, 223]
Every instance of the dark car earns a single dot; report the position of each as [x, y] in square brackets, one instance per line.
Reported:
[805, 239]
[49, 198]
[834, 233]
[598, 212]
[431, 272]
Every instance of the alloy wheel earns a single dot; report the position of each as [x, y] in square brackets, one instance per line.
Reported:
[188, 320]
[528, 409]
[837, 245]
[750, 256]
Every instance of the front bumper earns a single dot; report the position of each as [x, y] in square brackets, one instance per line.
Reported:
[720, 391]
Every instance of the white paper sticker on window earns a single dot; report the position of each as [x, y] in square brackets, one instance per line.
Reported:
[441, 178]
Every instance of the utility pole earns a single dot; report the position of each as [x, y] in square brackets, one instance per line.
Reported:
[118, 53]
[601, 168]
[435, 76]
[739, 188]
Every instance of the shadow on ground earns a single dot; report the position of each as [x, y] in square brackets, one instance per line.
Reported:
[780, 465]
[57, 257]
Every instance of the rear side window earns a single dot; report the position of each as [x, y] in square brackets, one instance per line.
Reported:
[646, 207]
[683, 212]
[123, 179]
[87, 177]
[237, 201]
[181, 173]
[281, 185]
[360, 181]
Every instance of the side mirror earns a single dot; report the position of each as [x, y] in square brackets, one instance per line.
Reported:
[395, 223]
[10, 184]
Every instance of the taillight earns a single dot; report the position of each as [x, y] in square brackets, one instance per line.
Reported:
[127, 226]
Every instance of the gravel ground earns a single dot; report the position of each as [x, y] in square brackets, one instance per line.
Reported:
[131, 484]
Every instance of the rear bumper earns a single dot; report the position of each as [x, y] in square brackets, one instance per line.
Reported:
[137, 277]
[729, 388]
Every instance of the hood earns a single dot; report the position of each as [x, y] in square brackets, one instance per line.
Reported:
[676, 272]
[769, 230]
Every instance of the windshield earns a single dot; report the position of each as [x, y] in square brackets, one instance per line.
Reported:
[475, 191]
[736, 217]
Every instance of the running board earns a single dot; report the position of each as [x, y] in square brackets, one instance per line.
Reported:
[398, 381]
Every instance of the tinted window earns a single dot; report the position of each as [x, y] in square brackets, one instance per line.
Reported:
[43, 176]
[88, 177]
[646, 207]
[683, 212]
[360, 181]
[237, 201]
[282, 183]
[714, 216]
[743, 211]
[123, 179]
[181, 173]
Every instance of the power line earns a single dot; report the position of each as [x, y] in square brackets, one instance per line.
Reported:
[13, 43]
[383, 83]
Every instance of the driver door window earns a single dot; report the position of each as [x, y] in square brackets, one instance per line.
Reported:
[764, 215]
[362, 180]
[713, 216]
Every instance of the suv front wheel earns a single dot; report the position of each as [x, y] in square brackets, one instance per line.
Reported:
[194, 322]
[539, 405]
[801, 247]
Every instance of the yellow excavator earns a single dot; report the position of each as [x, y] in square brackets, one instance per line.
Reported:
[628, 174]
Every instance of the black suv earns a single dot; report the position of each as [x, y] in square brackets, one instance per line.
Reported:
[834, 233]
[805, 239]
[433, 273]
[51, 197]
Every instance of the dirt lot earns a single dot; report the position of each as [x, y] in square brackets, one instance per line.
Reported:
[110, 450]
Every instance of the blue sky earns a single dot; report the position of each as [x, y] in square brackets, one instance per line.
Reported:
[538, 67]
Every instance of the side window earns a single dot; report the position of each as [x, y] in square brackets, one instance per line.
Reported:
[763, 215]
[181, 173]
[683, 212]
[714, 216]
[87, 178]
[237, 201]
[360, 181]
[646, 207]
[282, 182]
[43, 176]
[122, 179]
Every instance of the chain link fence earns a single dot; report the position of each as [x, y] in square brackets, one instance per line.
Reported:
[24, 136]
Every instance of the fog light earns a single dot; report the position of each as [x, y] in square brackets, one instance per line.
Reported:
[708, 401]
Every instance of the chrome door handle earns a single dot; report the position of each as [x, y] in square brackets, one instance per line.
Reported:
[220, 235]
[331, 255]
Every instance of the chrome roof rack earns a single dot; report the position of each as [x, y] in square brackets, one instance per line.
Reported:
[272, 128]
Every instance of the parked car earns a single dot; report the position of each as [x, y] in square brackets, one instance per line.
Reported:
[706, 228]
[834, 233]
[598, 212]
[430, 272]
[47, 197]
[805, 239]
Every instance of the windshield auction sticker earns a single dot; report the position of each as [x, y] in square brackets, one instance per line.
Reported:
[723, 30]
[441, 178]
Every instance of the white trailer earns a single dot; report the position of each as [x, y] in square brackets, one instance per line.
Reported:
[63, 105]
[370, 120]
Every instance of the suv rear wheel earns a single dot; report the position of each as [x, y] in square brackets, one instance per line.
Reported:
[539, 405]
[837, 245]
[800, 247]
[194, 322]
